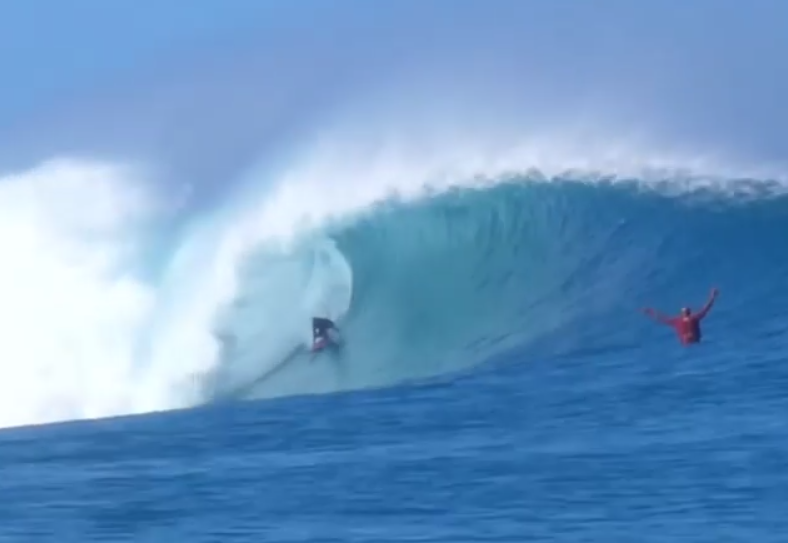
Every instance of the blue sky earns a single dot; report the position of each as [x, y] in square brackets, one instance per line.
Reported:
[173, 79]
[48, 47]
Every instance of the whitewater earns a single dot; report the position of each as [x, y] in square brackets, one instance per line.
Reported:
[434, 257]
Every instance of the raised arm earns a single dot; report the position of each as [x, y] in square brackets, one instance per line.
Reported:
[705, 309]
[657, 316]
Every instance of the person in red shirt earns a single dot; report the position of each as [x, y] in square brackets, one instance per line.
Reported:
[687, 324]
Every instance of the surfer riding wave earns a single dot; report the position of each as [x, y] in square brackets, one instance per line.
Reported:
[321, 329]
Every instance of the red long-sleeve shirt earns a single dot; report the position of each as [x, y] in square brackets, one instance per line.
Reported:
[687, 327]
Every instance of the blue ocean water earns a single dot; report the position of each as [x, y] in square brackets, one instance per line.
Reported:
[498, 384]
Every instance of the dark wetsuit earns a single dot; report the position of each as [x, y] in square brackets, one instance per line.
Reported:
[320, 328]
[687, 327]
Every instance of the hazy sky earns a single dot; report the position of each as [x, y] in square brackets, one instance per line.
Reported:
[49, 47]
[205, 84]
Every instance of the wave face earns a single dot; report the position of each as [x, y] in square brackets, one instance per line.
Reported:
[521, 267]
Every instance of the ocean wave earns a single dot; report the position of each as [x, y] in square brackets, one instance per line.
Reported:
[432, 261]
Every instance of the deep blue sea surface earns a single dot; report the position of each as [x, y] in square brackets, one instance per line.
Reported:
[581, 452]
[498, 383]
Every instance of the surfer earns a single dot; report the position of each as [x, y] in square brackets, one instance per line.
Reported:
[687, 323]
[320, 329]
